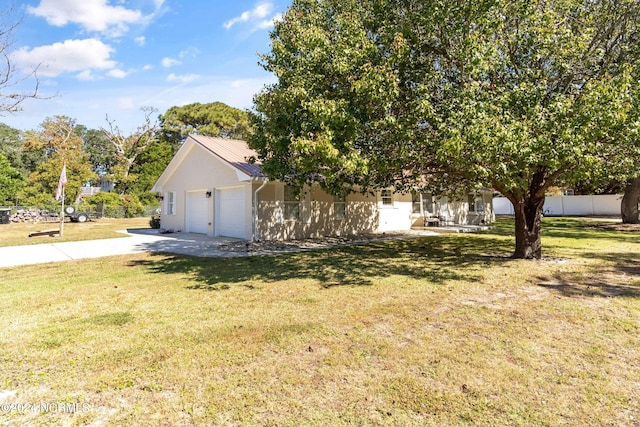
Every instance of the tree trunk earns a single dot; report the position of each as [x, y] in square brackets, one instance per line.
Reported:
[528, 217]
[629, 205]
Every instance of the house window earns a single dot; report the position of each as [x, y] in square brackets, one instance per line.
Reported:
[416, 204]
[476, 203]
[422, 203]
[339, 207]
[387, 197]
[291, 204]
[427, 203]
[171, 203]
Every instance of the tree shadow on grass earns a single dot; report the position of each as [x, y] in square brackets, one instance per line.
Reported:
[581, 228]
[433, 259]
[618, 276]
[591, 289]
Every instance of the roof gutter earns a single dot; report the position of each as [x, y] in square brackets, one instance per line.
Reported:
[256, 237]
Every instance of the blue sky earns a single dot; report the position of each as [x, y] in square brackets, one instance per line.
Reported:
[113, 57]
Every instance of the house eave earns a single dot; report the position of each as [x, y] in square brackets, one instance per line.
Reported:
[182, 154]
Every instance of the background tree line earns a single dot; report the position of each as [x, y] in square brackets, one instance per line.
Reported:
[31, 160]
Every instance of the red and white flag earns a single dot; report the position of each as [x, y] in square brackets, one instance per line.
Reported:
[62, 182]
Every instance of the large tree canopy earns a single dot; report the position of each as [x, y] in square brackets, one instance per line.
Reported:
[102, 152]
[148, 168]
[11, 181]
[515, 95]
[60, 140]
[11, 145]
[213, 119]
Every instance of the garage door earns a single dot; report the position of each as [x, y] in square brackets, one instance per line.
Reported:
[197, 212]
[230, 215]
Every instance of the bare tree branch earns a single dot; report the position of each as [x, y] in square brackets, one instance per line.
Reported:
[128, 148]
[10, 76]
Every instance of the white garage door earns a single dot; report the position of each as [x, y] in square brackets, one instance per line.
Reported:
[197, 212]
[230, 215]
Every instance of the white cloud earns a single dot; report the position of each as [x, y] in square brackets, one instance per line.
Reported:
[244, 17]
[140, 41]
[86, 76]
[169, 62]
[126, 103]
[268, 23]
[69, 56]
[117, 73]
[189, 52]
[92, 15]
[263, 9]
[255, 17]
[188, 78]
[147, 67]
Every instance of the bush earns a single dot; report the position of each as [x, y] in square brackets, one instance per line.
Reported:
[132, 206]
[149, 199]
[42, 201]
[154, 222]
[105, 203]
[114, 205]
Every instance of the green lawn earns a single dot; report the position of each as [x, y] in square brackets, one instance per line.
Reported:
[435, 331]
[104, 228]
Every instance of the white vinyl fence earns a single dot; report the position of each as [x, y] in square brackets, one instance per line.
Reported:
[608, 204]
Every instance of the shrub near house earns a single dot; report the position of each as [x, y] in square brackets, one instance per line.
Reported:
[115, 205]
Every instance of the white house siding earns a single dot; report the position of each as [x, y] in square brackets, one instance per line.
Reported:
[457, 212]
[198, 171]
[364, 214]
[317, 217]
[396, 216]
[399, 216]
[360, 216]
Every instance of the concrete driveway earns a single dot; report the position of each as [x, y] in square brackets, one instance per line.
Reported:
[149, 240]
[142, 240]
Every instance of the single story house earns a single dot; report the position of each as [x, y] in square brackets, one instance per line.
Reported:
[209, 187]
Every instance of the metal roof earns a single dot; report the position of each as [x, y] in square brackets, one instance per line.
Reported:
[232, 151]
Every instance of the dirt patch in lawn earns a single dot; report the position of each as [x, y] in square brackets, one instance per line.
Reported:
[617, 227]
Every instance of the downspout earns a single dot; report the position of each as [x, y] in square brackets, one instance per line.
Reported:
[256, 238]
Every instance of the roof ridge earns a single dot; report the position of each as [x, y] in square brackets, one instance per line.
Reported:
[233, 151]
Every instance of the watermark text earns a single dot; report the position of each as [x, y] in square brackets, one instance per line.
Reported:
[40, 407]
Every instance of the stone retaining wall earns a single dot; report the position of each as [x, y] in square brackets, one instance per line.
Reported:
[34, 216]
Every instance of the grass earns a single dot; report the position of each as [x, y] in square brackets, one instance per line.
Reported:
[430, 331]
[18, 234]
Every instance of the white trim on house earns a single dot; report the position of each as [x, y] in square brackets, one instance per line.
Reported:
[170, 197]
[184, 151]
[389, 195]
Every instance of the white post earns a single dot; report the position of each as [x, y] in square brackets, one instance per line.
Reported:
[62, 215]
